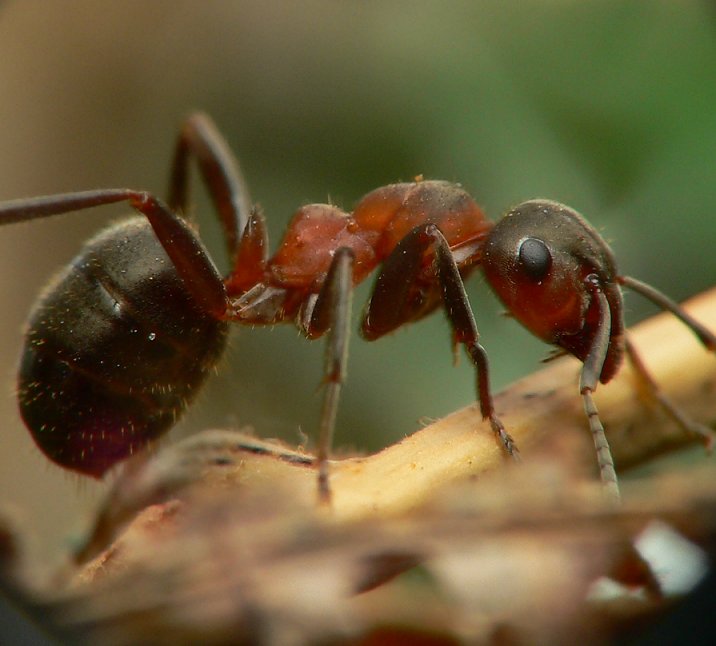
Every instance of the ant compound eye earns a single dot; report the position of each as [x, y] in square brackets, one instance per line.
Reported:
[534, 258]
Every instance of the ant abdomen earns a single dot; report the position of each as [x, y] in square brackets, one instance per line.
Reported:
[116, 349]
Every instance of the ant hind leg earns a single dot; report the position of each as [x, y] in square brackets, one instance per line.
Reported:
[185, 250]
[199, 137]
[330, 311]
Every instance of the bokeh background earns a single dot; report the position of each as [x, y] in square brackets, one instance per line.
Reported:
[608, 106]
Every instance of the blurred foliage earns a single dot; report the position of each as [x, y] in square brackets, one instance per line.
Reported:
[605, 105]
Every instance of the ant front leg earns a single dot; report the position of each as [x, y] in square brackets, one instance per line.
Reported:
[330, 311]
[591, 369]
[705, 336]
[185, 250]
[704, 433]
[400, 297]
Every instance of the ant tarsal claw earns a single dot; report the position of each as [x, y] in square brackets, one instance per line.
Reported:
[505, 439]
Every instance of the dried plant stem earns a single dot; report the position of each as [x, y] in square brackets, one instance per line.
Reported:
[248, 520]
[540, 406]
[543, 413]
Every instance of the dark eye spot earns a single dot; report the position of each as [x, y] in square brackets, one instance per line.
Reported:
[534, 258]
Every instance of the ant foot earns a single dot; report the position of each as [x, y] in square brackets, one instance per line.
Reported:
[505, 438]
[324, 487]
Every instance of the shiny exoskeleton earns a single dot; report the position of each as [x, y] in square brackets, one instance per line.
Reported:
[123, 339]
[115, 350]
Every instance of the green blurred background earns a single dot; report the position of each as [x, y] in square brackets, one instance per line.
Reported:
[607, 106]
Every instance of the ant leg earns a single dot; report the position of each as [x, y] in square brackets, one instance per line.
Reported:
[465, 331]
[705, 336]
[400, 297]
[591, 369]
[181, 244]
[220, 171]
[330, 312]
[251, 255]
[705, 434]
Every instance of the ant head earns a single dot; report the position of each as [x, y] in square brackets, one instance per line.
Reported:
[544, 261]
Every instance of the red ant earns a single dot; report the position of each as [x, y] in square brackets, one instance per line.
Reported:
[124, 337]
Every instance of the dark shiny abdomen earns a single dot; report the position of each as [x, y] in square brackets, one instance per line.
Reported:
[115, 350]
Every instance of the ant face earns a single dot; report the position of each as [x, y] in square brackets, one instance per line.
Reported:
[544, 261]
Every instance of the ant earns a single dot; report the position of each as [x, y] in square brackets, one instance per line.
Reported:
[124, 337]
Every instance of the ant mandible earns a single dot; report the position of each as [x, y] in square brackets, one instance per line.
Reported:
[122, 340]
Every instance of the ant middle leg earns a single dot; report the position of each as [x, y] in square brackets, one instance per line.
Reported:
[402, 294]
[330, 311]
